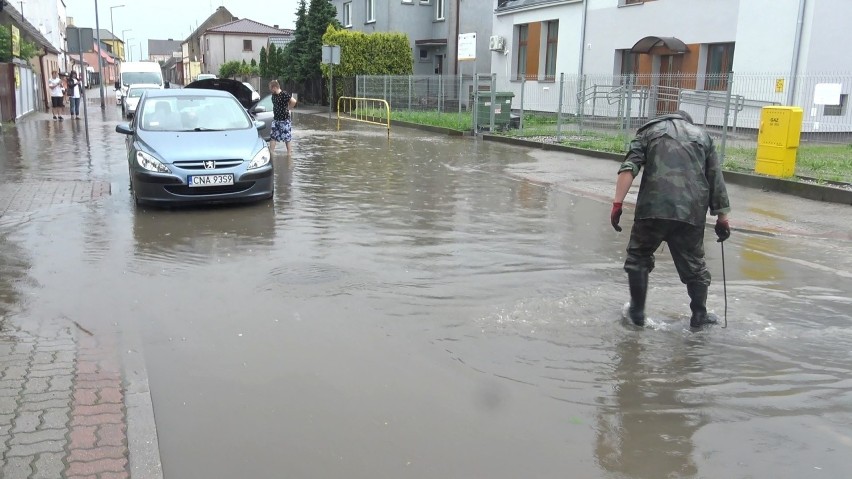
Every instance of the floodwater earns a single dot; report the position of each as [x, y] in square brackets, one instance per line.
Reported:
[412, 308]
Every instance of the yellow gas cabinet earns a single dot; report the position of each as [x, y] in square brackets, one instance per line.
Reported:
[778, 140]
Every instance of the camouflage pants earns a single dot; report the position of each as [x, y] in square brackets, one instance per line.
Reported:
[685, 241]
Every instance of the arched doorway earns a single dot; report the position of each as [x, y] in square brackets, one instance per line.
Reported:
[667, 71]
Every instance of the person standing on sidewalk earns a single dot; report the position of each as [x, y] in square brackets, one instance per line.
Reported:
[282, 125]
[57, 95]
[681, 181]
[75, 88]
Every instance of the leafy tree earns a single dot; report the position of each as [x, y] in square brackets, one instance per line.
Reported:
[321, 14]
[304, 54]
[229, 69]
[274, 62]
[369, 53]
[263, 65]
[295, 50]
[28, 49]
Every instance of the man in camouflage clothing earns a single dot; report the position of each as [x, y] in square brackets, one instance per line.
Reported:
[682, 179]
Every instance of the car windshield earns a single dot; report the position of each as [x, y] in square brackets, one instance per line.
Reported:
[193, 113]
[137, 92]
[205, 76]
[129, 78]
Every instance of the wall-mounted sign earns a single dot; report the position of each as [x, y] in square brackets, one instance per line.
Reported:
[467, 47]
[16, 41]
[827, 93]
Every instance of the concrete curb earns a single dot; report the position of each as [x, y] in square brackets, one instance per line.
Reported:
[789, 187]
[416, 126]
[142, 444]
[433, 129]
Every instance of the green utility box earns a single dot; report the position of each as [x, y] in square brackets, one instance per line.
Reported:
[502, 108]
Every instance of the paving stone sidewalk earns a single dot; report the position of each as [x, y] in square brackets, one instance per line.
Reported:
[62, 409]
[70, 406]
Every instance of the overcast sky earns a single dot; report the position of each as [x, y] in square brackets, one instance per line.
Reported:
[175, 19]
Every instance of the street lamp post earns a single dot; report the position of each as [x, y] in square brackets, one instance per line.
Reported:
[129, 50]
[100, 56]
[111, 25]
[124, 42]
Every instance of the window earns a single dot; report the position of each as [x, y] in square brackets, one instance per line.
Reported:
[836, 110]
[523, 45]
[371, 10]
[629, 63]
[207, 44]
[247, 45]
[347, 14]
[424, 54]
[720, 61]
[407, 1]
[439, 9]
[550, 52]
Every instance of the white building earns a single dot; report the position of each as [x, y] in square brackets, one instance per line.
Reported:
[49, 17]
[682, 46]
[237, 41]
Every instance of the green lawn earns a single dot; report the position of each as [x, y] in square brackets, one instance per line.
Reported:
[823, 162]
[454, 121]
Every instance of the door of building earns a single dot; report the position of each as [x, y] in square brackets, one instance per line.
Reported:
[669, 85]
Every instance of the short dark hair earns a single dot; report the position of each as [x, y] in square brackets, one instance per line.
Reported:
[686, 116]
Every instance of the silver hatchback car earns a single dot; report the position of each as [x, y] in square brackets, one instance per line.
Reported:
[196, 146]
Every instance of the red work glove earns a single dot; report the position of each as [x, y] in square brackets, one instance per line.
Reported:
[615, 216]
[723, 230]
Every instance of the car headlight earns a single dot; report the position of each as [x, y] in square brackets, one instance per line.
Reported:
[260, 159]
[150, 163]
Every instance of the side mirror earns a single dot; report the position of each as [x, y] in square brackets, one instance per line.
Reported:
[259, 109]
[118, 85]
[124, 129]
[259, 125]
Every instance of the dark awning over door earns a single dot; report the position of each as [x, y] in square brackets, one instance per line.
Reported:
[646, 44]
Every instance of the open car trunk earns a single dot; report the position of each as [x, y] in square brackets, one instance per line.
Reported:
[241, 92]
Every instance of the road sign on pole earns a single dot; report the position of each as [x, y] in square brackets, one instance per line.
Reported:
[331, 57]
[80, 40]
[331, 54]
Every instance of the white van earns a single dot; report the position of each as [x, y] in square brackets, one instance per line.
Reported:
[133, 73]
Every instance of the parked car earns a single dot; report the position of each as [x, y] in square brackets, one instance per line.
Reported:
[195, 146]
[134, 94]
[255, 96]
[262, 111]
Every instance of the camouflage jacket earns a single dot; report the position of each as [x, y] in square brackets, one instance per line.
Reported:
[682, 177]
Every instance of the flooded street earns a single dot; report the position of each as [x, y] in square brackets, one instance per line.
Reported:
[425, 306]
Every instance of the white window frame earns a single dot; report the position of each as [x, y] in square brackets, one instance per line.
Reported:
[347, 14]
[440, 13]
[371, 11]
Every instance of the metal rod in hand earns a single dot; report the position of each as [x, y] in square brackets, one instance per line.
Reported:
[724, 284]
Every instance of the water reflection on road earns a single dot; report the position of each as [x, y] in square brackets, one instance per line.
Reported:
[407, 308]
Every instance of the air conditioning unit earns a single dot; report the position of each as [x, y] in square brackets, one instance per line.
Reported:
[497, 43]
